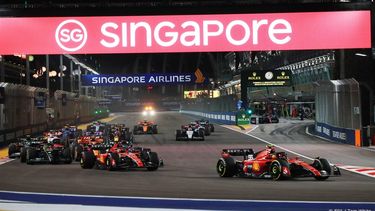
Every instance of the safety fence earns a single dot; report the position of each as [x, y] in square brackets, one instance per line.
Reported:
[338, 111]
[226, 103]
[219, 117]
[30, 110]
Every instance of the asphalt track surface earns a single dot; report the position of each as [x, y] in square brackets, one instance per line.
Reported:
[189, 172]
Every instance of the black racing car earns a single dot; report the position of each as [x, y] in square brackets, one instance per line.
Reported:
[54, 151]
[17, 149]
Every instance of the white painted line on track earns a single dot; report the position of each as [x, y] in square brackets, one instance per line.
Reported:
[5, 160]
[252, 129]
[64, 207]
[267, 142]
[189, 199]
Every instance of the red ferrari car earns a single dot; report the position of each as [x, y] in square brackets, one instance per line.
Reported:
[270, 164]
[83, 143]
[120, 156]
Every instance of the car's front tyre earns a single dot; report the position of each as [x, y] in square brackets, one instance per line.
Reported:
[226, 167]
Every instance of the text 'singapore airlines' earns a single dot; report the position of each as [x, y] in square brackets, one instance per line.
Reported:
[186, 33]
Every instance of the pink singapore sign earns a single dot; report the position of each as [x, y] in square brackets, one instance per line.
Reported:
[185, 33]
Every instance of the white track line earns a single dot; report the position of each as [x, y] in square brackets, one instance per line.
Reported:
[5, 160]
[179, 199]
[252, 129]
[267, 142]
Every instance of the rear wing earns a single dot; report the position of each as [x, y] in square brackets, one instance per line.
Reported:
[238, 152]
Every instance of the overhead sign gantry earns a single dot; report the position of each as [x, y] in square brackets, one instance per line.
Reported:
[185, 33]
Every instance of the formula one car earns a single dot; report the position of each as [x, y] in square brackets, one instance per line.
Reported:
[54, 151]
[190, 132]
[83, 142]
[118, 132]
[97, 127]
[120, 155]
[145, 127]
[71, 132]
[264, 119]
[270, 164]
[207, 123]
[206, 127]
[17, 149]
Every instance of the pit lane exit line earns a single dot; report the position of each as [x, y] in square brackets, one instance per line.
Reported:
[267, 142]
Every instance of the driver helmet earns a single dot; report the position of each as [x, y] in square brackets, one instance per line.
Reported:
[271, 148]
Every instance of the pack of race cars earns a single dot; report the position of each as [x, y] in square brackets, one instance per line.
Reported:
[110, 147]
[104, 146]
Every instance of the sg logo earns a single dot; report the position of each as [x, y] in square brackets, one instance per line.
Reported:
[71, 35]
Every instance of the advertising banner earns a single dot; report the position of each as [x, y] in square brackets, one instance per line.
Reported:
[264, 78]
[40, 100]
[185, 33]
[242, 118]
[143, 79]
[342, 135]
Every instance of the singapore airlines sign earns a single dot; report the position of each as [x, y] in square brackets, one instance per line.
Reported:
[186, 33]
[144, 79]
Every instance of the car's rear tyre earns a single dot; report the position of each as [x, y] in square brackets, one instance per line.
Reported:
[135, 130]
[201, 134]
[154, 129]
[212, 128]
[154, 159]
[112, 161]
[12, 148]
[226, 167]
[276, 169]
[87, 160]
[178, 135]
[55, 158]
[207, 131]
[322, 164]
[67, 156]
[30, 155]
[23, 154]
[72, 150]
[78, 149]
